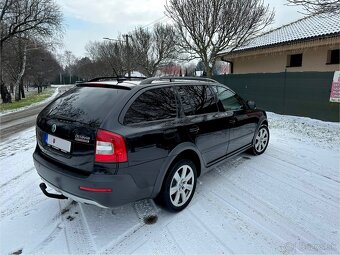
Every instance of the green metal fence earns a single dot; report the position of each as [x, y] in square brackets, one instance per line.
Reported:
[301, 94]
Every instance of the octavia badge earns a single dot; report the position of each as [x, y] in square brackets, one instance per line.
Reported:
[54, 128]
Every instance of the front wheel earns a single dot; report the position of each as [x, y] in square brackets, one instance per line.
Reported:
[179, 186]
[261, 140]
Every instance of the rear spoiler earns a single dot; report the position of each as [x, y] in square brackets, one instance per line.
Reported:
[103, 85]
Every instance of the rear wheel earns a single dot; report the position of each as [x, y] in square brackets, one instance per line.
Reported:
[179, 186]
[261, 140]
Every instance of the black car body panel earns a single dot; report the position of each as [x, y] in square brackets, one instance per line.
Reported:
[156, 133]
[123, 185]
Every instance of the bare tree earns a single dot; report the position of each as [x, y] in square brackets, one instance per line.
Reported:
[14, 60]
[83, 68]
[113, 53]
[146, 52]
[317, 6]
[28, 19]
[207, 27]
[153, 49]
[69, 60]
[87, 69]
[42, 67]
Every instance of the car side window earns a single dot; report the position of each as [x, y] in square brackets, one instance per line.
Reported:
[154, 104]
[197, 100]
[227, 99]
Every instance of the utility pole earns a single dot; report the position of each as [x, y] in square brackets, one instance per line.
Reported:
[128, 55]
[128, 66]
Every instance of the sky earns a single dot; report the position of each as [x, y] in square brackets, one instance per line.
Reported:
[88, 20]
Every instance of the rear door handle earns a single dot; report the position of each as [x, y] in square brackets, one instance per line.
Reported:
[194, 129]
[170, 131]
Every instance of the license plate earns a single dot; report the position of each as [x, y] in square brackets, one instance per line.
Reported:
[58, 143]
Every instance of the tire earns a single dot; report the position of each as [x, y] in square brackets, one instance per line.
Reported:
[179, 186]
[261, 141]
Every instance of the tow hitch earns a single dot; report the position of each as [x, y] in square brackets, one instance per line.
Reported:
[43, 188]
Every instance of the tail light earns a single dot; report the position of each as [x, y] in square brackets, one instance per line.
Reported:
[110, 147]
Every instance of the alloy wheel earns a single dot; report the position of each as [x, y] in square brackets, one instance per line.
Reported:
[182, 185]
[261, 140]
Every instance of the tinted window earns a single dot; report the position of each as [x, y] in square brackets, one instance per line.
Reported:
[197, 100]
[227, 99]
[154, 104]
[89, 105]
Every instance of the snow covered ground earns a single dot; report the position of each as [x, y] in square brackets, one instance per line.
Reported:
[284, 201]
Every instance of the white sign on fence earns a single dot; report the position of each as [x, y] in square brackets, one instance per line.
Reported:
[335, 91]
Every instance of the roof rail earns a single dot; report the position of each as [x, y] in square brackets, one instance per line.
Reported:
[117, 78]
[175, 78]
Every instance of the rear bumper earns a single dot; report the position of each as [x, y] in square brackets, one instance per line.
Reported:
[73, 197]
[124, 188]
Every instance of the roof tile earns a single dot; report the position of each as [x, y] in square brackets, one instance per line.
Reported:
[305, 28]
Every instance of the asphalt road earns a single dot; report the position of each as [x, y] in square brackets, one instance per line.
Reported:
[18, 121]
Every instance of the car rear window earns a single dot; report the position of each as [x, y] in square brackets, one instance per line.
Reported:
[88, 105]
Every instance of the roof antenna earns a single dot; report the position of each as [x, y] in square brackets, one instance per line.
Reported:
[120, 78]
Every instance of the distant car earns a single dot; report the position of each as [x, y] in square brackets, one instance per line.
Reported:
[109, 143]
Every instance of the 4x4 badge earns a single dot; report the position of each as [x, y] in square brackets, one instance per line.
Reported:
[54, 128]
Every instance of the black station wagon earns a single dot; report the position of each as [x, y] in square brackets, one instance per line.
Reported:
[113, 142]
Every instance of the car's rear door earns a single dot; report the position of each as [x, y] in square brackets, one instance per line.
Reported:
[202, 122]
[150, 125]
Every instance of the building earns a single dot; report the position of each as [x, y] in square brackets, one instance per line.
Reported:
[309, 44]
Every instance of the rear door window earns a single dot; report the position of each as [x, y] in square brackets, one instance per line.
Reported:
[152, 105]
[197, 100]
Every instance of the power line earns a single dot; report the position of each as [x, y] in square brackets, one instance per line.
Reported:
[155, 21]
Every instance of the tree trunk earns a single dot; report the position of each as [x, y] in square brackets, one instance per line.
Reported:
[5, 95]
[1, 72]
[20, 75]
[17, 94]
[22, 89]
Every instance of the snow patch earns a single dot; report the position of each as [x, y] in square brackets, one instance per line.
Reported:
[317, 132]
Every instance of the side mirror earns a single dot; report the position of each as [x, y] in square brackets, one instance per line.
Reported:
[251, 104]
